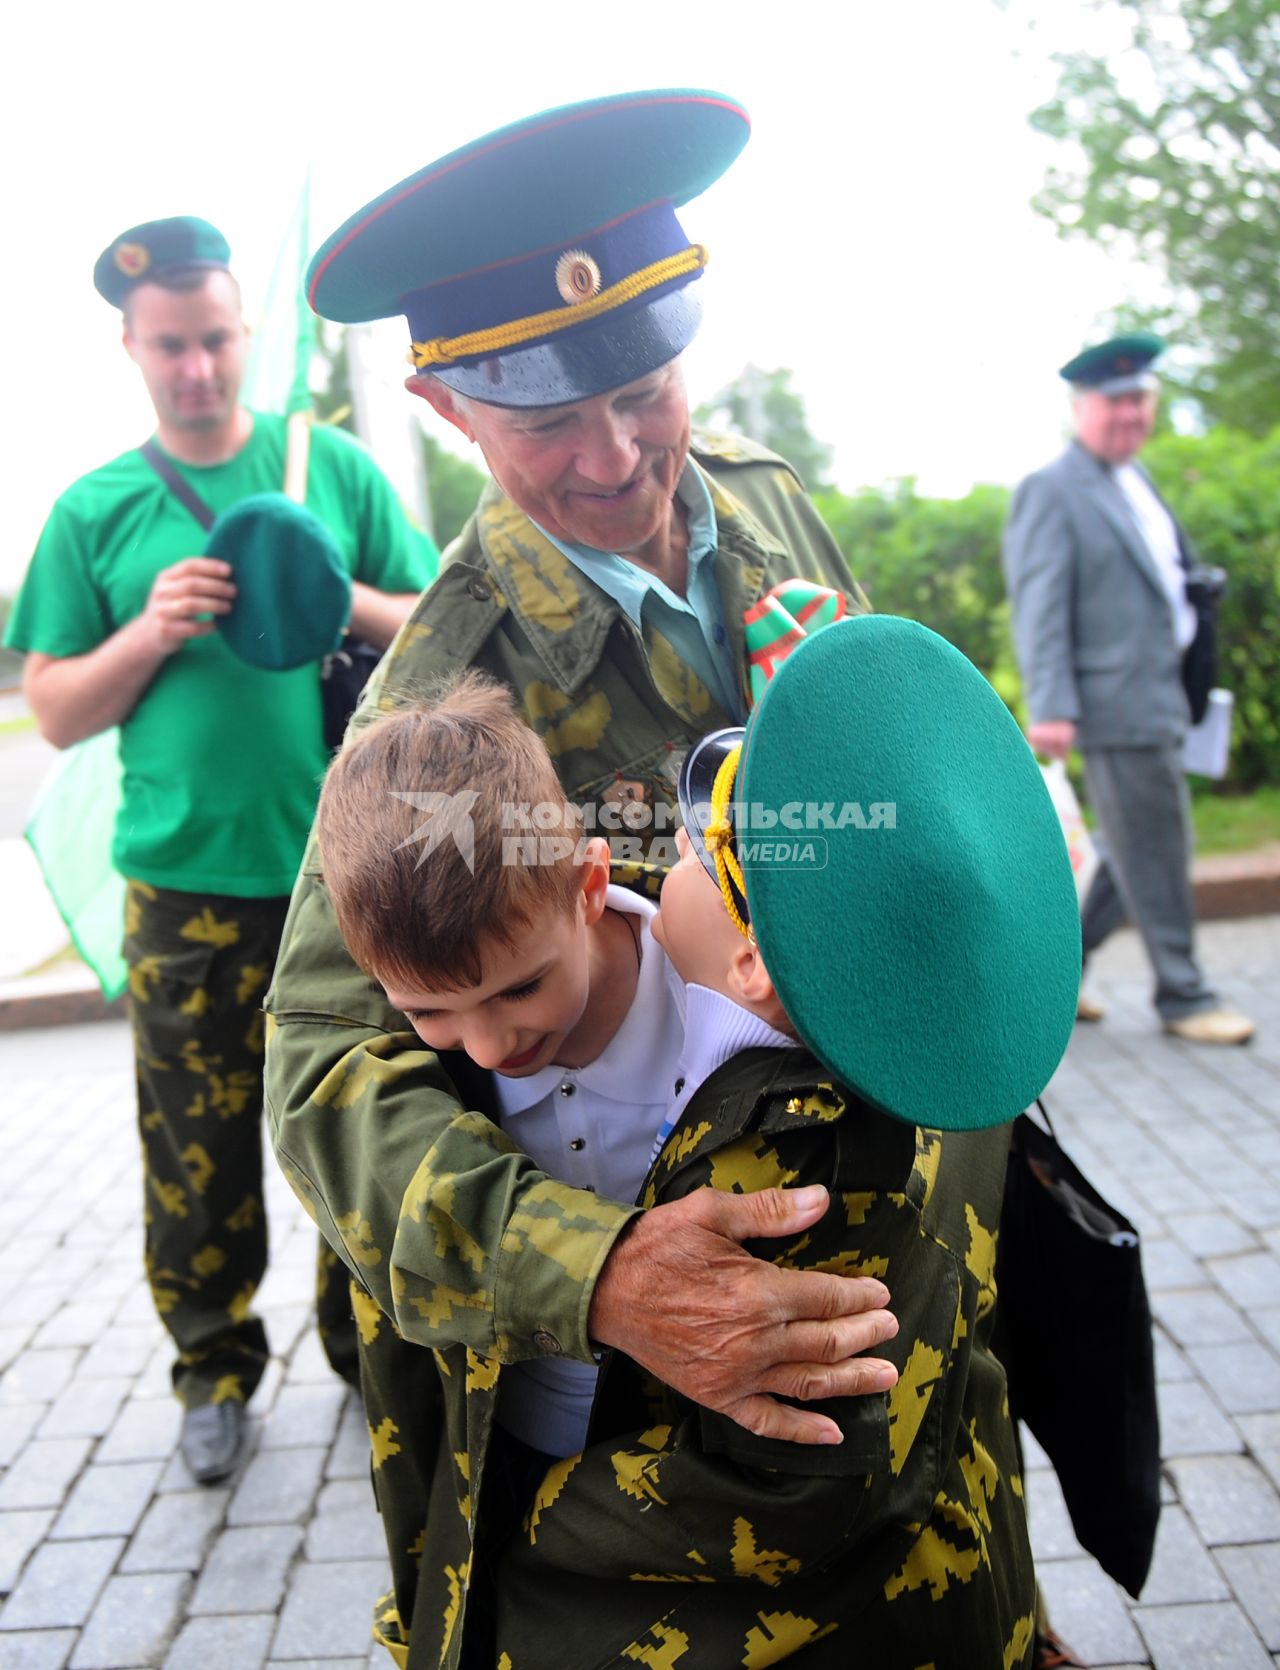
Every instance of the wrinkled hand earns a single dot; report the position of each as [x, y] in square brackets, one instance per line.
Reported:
[1054, 737]
[680, 1295]
[180, 595]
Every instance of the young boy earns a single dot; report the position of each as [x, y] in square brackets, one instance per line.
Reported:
[870, 997]
[461, 883]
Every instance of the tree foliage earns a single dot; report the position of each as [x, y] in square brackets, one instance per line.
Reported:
[763, 406]
[938, 561]
[1181, 153]
[453, 487]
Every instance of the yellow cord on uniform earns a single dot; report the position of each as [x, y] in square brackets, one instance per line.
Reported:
[444, 350]
[718, 838]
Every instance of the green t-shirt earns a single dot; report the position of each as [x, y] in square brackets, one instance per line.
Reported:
[222, 761]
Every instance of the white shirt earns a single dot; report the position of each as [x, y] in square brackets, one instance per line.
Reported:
[715, 1028]
[1160, 536]
[593, 1126]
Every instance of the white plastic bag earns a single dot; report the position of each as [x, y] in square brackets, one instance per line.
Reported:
[1208, 744]
[1080, 847]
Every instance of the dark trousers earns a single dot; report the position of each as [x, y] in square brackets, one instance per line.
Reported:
[198, 968]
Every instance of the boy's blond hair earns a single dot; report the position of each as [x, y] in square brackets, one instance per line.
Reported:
[409, 907]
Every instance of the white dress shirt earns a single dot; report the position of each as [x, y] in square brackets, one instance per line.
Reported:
[1160, 535]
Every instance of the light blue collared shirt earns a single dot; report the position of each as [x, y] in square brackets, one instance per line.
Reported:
[694, 624]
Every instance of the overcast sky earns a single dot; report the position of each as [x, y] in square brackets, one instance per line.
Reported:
[875, 236]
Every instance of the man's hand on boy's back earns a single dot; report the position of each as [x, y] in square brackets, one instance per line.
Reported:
[681, 1296]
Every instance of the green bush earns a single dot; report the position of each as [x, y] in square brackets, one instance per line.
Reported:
[938, 561]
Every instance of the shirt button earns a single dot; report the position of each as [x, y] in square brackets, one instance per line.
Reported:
[547, 1343]
[679, 1086]
[578, 1144]
[567, 1089]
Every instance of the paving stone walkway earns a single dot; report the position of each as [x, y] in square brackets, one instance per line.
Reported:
[111, 1559]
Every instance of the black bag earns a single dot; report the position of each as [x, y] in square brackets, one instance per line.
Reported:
[1200, 658]
[1073, 1331]
[343, 676]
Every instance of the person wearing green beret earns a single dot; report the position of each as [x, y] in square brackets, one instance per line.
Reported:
[629, 579]
[178, 593]
[1097, 570]
[834, 1037]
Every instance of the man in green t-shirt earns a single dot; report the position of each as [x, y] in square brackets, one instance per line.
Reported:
[221, 763]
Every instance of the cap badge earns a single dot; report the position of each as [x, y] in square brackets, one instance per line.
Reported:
[577, 276]
[133, 259]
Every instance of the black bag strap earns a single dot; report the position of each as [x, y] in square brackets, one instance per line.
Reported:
[181, 489]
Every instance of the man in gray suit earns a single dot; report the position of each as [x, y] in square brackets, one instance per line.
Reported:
[1096, 568]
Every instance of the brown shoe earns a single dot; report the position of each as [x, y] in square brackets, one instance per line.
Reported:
[1212, 1026]
[1052, 1653]
[1088, 1009]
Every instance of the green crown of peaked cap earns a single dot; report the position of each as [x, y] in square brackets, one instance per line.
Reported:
[293, 591]
[472, 245]
[1120, 363]
[145, 253]
[930, 960]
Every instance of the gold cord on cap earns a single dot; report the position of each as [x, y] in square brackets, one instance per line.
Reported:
[718, 838]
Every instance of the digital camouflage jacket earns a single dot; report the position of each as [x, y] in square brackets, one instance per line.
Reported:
[450, 1233]
[678, 1539]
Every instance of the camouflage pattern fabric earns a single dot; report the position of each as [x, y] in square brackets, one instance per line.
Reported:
[458, 1243]
[701, 1546]
[198, 969]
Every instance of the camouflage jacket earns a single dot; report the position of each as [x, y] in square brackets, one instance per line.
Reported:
[676, 1538]
[458, 1242]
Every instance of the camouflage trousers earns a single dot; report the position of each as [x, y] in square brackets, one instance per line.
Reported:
[198, 968]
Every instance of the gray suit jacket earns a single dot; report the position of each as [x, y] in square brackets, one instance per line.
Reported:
[1092, 621]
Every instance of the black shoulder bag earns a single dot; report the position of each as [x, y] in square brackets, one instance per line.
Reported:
[1073, 1330]
[1200, 658]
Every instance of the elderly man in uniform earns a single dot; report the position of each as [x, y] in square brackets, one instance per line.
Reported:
[1097, 568]
[221, 758]
[549, 291]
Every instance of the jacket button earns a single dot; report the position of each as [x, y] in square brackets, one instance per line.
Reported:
[547, 1342]
[578, 1144]
[478, 589]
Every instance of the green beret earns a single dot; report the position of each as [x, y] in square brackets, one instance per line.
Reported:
[905, 874]
[147, 252]
[1117, 366]
[542, 263]
[293, 591]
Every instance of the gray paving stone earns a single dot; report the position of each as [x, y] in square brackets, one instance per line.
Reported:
[1249, 1279]
[46, 1649]
[1166, 1263]
[1228, 1497]
[303, 1416]
[1260, 1432]
[1199, 1316]
[133, 1623]
[1245, 1378]
[286, 1324]
[60, 1585]
[38, 1376]
[328, 1608]
[20, 1531]
[121, 1351]
[308, 1362]
[346, 1524]
[107, 1500]
[208, 1642]
[1182, 1569]
[1215, 1637]
[278, 1488]
[85, 1408]
[349, 1457]
[1052, 1537]
[176, 1531]
[42, 1474]
[144, 1430]
[13, 1340]
[1170, 1362]
[1191, 1423]
[17, 1422]
[1267, 1322]
[246, 1570]
[1088, 1612]
[75, 1324]
[329, 1663]
[1254, 1576]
